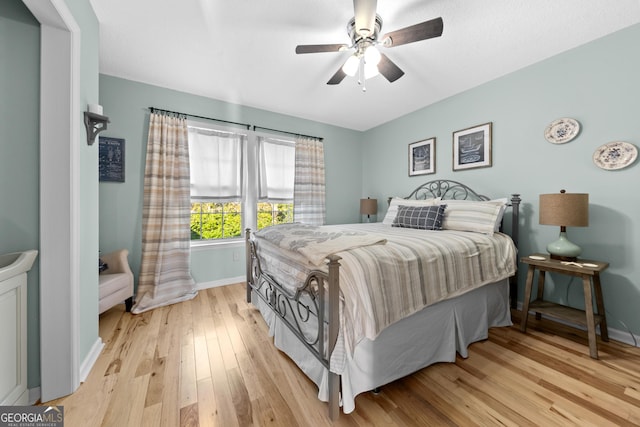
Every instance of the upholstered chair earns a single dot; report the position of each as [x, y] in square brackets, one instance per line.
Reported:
[116, 281]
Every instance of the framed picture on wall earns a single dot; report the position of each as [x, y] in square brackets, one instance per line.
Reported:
[472, 147]
[111, 159]
[422, 156]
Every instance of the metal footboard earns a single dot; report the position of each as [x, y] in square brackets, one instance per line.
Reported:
[313, 304]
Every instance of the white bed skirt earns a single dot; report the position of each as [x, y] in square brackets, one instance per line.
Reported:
[432, 335]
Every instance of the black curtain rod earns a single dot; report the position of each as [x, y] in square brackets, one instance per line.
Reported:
[288, 133]
[234, 123]
[248, 126]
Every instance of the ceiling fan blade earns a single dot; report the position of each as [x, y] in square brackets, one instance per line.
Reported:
[389, 69]
[365, 15]
[422, 31]
[317, 48]
[337, 77]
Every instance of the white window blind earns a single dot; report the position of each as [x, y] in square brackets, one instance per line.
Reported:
[276, 170]
[215, 164]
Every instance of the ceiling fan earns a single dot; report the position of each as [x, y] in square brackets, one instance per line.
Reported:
[364, 30]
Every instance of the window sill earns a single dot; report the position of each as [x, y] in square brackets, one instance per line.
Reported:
[220, 244]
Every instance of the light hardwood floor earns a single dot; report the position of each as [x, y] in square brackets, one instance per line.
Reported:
[210, 362]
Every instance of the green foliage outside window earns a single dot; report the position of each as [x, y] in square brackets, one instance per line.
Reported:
[224, 220]
[274, 213]
[215, 220]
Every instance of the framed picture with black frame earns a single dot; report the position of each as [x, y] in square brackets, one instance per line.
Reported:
[472, 147]
[111, 159]
[422, 157]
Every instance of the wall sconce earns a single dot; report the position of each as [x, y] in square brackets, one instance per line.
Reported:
[94, 122]
[565, 210]
[368, 207]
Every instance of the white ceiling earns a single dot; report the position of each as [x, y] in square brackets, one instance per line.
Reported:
[242, 51]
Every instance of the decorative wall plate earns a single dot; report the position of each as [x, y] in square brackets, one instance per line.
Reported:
[562, 130]
[615, 155]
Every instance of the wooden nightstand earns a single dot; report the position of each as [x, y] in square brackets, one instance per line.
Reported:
[589, 274]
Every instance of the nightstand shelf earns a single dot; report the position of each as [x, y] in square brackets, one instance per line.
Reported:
[558, 311]
[590, 276]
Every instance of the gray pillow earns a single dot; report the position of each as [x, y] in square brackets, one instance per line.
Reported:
[420, 217]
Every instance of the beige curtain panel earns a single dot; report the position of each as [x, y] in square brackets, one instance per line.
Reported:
[165, 276]
[309, 182]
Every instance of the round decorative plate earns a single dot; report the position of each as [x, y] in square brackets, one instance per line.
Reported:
[562, 130]
[615, 155]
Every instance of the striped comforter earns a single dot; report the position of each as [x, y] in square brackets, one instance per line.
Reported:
[381, 284]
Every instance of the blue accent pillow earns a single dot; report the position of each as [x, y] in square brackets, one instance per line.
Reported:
[420, 217]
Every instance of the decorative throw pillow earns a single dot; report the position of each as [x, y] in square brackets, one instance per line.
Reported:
[392, 211]
[420, 217]
[478, 216]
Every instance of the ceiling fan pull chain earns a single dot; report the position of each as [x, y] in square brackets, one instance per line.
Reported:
[361, 80]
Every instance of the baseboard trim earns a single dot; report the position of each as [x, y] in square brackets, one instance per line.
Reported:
[622, 336]
[34, 395]
[85, 369]
[91, 359]
[222, 282]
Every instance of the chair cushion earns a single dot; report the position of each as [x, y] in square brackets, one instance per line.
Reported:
[112, 283]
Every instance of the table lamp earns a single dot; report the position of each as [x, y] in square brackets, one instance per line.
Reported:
[368, 207]
[565, 210]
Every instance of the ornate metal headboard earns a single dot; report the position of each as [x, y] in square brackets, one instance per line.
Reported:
[445, 189]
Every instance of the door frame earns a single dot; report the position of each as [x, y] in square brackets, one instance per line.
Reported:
[60, 126]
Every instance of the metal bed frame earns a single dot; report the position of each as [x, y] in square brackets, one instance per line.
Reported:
[316, 302]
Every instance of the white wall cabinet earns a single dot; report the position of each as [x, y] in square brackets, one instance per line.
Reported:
[13, 327]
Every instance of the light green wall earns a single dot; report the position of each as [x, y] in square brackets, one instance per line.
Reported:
[598, 85]
[19, 153]
[126, 103]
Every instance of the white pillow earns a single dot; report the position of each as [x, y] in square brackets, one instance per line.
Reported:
[503, 207]
[479, 216]
[392, 212]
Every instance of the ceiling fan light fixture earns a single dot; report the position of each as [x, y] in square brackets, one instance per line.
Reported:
[370, 70]
[350, 67]
[372, 55]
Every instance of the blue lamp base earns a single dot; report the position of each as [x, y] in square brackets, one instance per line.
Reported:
[563, 249]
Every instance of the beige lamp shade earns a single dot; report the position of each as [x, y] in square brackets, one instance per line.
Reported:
[368, 206]
[564, 209]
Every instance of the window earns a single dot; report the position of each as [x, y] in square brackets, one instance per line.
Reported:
[216, 158]
[276, 166]
[215, 220]
[238, 179]
[274, 213]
